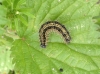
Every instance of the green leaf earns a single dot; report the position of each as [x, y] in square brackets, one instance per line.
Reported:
[15, 3]
[3, 19]
[5, 60]
[23, 20]
[26, 11]
[28, 54]
[1, 31]
[81, 56]
[97, 18]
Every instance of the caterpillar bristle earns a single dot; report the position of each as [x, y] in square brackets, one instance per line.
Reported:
[52, 26]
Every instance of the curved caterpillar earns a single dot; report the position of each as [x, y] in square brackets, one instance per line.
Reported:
[49, 26]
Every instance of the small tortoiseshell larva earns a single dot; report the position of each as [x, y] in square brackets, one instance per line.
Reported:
[54, 26]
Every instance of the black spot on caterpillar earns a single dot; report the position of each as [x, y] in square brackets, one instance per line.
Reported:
[49, 26]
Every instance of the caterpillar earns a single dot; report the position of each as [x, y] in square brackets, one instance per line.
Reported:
[54, 26]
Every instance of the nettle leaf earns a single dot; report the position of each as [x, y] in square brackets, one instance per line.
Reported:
[3, 19]
[81, 56]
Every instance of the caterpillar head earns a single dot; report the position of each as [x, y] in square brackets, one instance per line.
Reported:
[67, 37]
